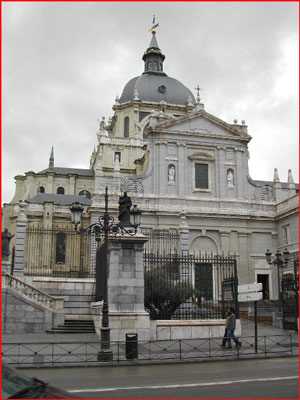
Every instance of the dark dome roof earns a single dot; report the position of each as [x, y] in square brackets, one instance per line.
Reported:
[157, 88]
[154, 85]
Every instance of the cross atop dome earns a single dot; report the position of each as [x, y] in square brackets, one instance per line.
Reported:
[154, 25]
[153, 56]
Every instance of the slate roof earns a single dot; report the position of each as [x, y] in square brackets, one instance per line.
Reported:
[66, 171]
[154, 85]
[59, 199]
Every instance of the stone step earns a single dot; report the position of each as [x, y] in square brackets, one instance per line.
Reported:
[55, 330]
[72, 322]
[74, 326]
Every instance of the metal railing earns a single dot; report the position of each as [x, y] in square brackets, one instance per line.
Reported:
[86, 353]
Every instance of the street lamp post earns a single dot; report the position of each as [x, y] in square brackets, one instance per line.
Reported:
[129, 222]
[280, 264]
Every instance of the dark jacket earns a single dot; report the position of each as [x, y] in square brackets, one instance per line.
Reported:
[230, 322]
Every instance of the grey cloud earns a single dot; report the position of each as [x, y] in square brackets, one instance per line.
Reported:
[64, 63]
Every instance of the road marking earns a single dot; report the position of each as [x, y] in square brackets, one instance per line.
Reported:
[187, 385]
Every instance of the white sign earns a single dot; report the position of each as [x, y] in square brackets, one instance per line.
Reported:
[250, 287]
[253, 296]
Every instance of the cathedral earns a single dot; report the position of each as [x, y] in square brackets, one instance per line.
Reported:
[186, 169]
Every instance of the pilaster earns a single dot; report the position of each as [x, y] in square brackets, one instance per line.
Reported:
[225, 240]
[244, 246]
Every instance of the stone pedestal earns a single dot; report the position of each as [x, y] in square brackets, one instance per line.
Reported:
[6, 267]
[126, 287]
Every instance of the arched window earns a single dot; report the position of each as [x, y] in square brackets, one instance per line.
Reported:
[60, 190]
[85, 193]
[60, 248]
[41, 189]
[126, 127]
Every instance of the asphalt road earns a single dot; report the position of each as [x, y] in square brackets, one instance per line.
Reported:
[274, 378]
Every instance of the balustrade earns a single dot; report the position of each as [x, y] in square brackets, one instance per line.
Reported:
[33, 294]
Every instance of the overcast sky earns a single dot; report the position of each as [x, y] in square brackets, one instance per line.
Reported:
[63, 63]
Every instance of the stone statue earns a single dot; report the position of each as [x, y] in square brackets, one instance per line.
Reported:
[6, 238]
[171, 174]
[229, 178]
[117, 163]
[124, 210]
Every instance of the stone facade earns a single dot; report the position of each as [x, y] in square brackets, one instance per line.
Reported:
[186, 169]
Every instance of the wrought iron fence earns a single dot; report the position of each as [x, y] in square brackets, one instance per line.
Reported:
[65, 254]
[289, 295]
[86, 353]
[161, 241]
[190, 286]
[59, 253]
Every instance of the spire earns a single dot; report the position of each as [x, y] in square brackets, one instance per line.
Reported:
[51, 159]
[153, 56]
[291, 183]
[276, 180]
[276, 176]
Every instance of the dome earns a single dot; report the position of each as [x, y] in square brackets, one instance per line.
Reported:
[154, 85]
[156, 88]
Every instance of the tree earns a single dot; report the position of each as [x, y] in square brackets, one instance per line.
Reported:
[164, 293]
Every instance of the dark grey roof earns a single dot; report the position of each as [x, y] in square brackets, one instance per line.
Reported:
[157, 88]
[153, 43]
[66, 171]
[60, 199]
[284, 185]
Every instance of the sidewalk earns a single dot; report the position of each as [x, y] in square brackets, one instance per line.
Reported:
[246, 325]
[265, 330]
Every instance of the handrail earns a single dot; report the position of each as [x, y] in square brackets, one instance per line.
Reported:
[55, 304]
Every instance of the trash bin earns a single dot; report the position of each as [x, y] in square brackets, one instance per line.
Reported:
[131, 346]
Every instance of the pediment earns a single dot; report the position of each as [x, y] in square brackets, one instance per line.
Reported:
[201, 156]
[204, 124]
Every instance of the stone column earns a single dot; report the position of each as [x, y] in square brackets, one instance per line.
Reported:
[21, 225]
[126, 287]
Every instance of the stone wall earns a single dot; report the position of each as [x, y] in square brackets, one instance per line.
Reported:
[192, 329]
[20, 315]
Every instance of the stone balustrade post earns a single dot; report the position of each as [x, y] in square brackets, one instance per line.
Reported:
[21, 226]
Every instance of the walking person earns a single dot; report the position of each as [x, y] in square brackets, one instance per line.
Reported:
[230, 326]
[224, 340]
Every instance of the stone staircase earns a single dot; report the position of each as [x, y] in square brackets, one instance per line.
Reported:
[74, 326]
[77, 295]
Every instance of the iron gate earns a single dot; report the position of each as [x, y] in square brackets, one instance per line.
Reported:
[59, 253]
[289, 294]
[190, 286]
